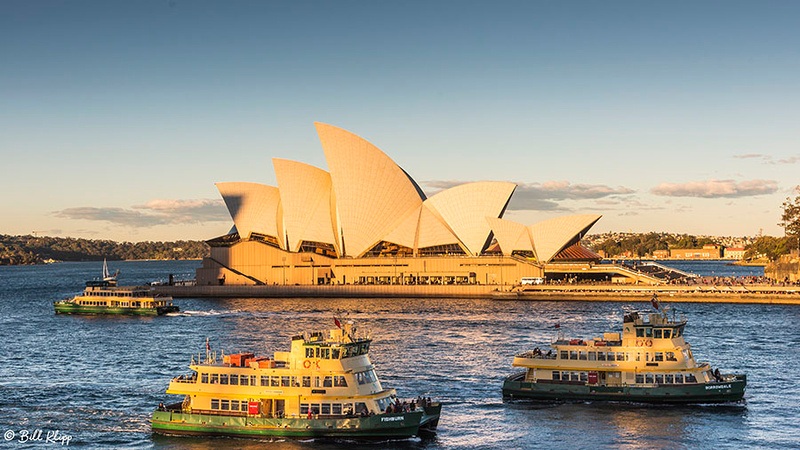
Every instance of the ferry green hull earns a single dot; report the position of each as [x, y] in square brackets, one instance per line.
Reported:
[71, 308]
[716, 392]
[381, 426]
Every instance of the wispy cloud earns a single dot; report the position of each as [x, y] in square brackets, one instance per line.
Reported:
[154, 212]
[716, 188]
[768, 159]
[544, 196]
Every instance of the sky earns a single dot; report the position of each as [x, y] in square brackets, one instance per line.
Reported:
[117, 118]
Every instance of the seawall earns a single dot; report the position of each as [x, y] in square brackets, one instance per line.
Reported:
[764, 294]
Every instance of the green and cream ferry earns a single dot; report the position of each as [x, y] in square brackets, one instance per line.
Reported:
[649, 362]
[105, 297]
[325, 386]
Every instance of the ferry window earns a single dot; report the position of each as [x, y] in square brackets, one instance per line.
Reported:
[593, 356]
[667, 334]
[204, 378]
[360, 378]
[659, 379]
[347, 408]
[647, 356]
[639, 378]
[326, 408]
[316, 382]
[336, 408]
[234, 405]
[610, 356]
[293, 382]
[285, 381]
[303, 409]
[690, 378]
[234, 379]
[361, 407]
[671, 356]
[686, 354]
[244, 380]
[265, 380]
[679, 378]
[306, 381]
[657, 334]
[315, 408]
[223, 378]
[564, 354]
[648, 332]
[339, 381]
[582, 356]
[309, 352]
[601, 356]
[575, 376]
[274, 381]
[372, 376]
[335, 353]
[345, 353]
[669, 379]
[621, 356]
[648, 378]
[214, 403]
[584, 377]
[564, 376]
[225, 405]
[327, 382]
[325, 353]
[214, 378]
[639, 332]
[573, 354]
[556, 375]
[659, 356]
[366, 347]
[253, 380]
[638, 356]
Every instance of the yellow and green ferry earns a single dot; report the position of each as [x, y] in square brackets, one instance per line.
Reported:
[105, 297]
[650, 362]
[325, 386]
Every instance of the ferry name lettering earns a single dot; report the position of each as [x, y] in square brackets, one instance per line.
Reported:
[392, 419]
[720, 386]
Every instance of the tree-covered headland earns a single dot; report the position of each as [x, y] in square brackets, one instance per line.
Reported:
[38, 249]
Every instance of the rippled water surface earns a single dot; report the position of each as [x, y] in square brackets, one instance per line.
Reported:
[98, 378]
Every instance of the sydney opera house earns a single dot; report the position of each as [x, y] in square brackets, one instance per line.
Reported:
[366, 221]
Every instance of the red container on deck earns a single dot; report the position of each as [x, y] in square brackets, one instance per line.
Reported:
[252, 408]
[592, 377]
[239, 359]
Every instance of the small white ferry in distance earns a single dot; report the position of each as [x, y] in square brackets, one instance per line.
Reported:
[103, 296]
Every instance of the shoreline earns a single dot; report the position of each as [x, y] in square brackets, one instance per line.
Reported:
[755, 294]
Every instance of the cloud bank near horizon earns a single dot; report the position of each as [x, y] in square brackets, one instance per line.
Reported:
[153, 213]
[542, 196]
[714, 188]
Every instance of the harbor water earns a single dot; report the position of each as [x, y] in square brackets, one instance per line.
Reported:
[97, 379]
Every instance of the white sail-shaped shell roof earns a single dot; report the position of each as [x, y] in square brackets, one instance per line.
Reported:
[306, 198]
[406, 232]
[254, 208]
[510, 235]
[465, 207]
[432, 231]
[373, 194]
[551, 236]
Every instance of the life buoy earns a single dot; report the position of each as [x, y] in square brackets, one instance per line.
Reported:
[649, 342]
[307, 364]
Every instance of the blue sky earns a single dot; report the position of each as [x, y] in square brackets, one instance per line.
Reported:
[117, 118]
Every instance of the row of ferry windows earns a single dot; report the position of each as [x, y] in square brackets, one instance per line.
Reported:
[105, 303]
[116, 294]
[332, 408]
[615, 356]
[274, 381]
[336, 353]
[648, 378]
[229, 405]
[659, 333]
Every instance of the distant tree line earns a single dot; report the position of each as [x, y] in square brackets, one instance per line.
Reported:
[645, 244]
[35, 250]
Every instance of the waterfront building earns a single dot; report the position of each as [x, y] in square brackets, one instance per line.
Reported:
[734, 253]
[366, 221]
[707, 252]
